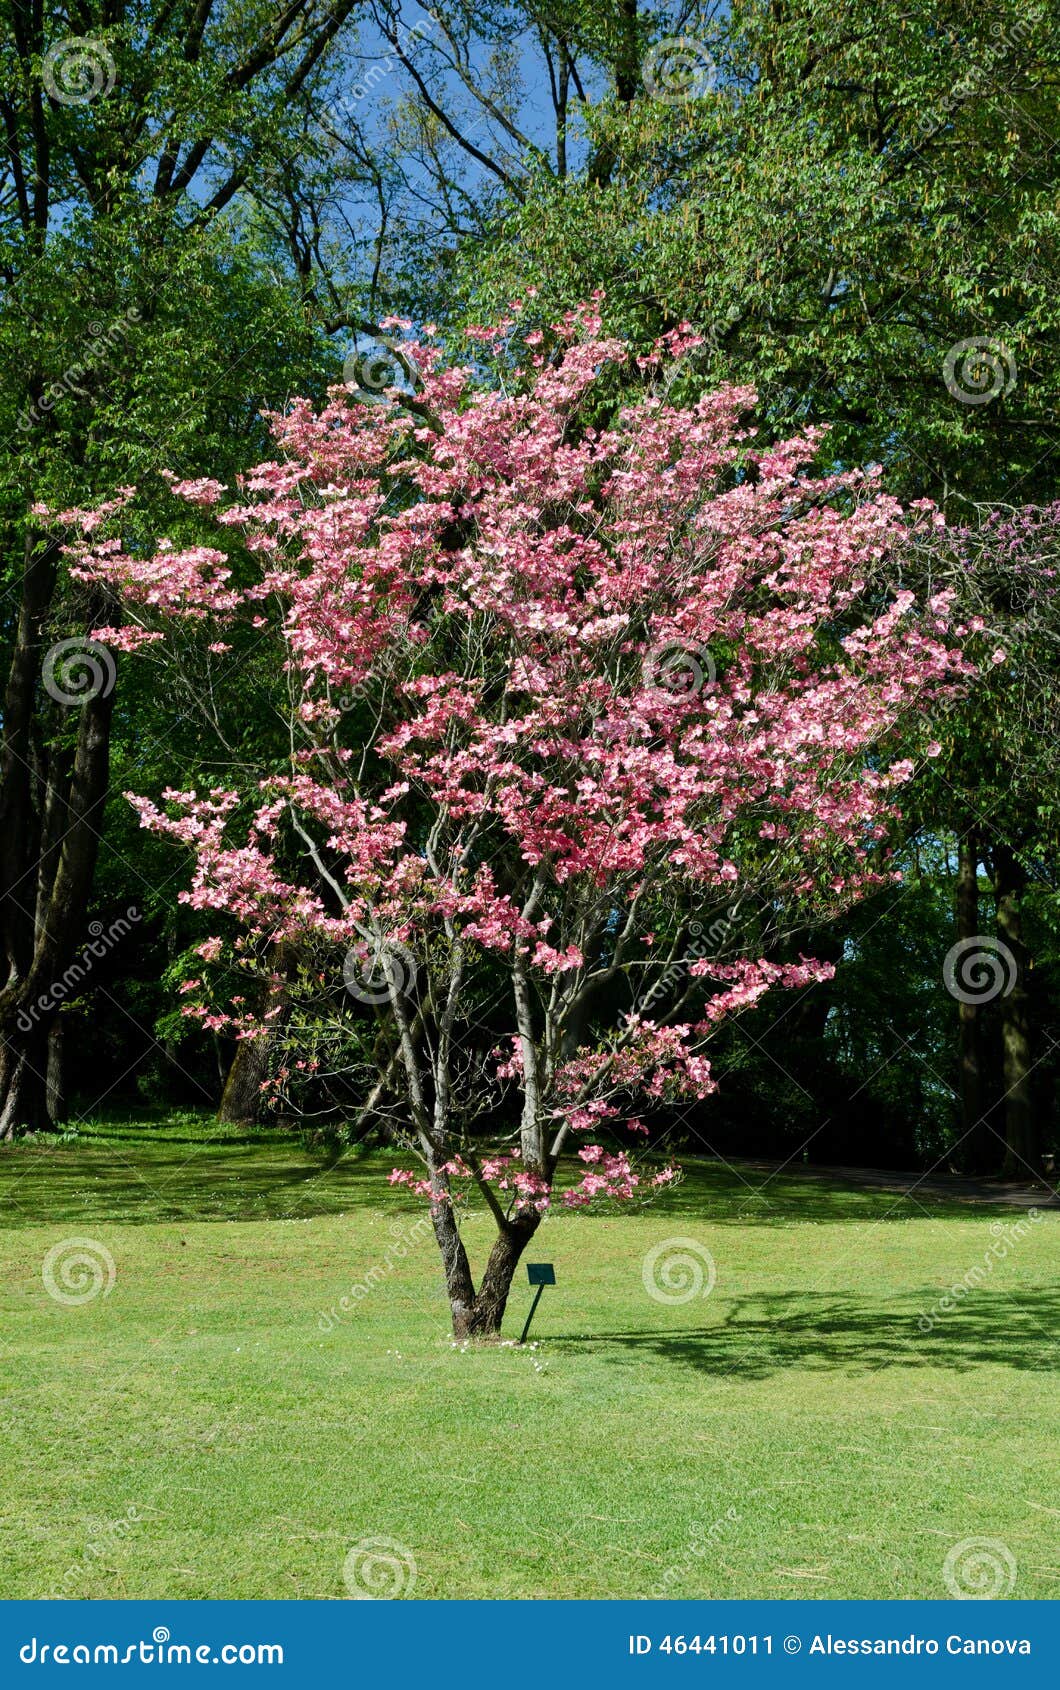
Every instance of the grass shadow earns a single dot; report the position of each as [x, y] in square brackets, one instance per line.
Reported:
[763, 1335]
[184, 1168]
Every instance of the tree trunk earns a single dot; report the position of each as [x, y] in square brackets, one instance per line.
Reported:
[241, 1097]
[1021, 1137]
[458, 1281]
[626, 69]
[20, 811]
[23, 1078]
[974, 1129]
[479, 1315]
[51, 814]
[55, 1074]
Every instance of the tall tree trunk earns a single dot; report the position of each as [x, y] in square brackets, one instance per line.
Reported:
[51, 813]
[626, 71]
[1021, 1135]
[20, 819]
[975, 1133]
[23, 1079]
[55, 1074]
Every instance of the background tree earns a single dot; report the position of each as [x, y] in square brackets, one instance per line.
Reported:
[149, 310]
[856, 209]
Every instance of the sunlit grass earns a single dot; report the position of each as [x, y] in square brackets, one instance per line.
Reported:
[218, 1425]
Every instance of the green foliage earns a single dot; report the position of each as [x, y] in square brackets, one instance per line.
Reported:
[861, 191]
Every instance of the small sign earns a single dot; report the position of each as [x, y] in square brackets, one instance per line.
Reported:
[539, 1274]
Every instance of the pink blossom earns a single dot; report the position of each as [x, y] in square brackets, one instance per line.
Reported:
[561, 679]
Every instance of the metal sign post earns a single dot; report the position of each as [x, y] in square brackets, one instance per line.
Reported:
[539, 1274]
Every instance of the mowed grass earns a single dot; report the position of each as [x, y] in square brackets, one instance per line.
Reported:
[216, 1424]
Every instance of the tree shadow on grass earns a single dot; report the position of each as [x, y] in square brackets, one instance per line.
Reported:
[764, 1335]
[764, 1193]
[173, 1181]
[143, 1171]
[275, 1178]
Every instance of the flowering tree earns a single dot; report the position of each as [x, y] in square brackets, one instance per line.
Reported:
[563, 674]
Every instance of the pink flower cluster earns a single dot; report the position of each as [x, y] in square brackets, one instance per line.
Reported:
[598, 665]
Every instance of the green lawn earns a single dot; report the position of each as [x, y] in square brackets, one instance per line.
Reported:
[207, 1429]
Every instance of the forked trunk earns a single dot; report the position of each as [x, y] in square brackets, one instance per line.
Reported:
[479, 1314]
